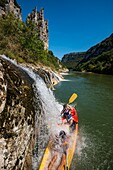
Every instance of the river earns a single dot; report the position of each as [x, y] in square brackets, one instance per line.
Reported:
[94, 105]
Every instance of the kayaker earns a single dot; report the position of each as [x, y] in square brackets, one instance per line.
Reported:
[62, 135]
[65, 111]
[65, 114]
[64, 140]
[69, 115]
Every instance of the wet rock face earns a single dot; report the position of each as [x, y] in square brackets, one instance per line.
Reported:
[23, 126]
[17, 118]
[3, 89]
[44, 75]
[50, 78]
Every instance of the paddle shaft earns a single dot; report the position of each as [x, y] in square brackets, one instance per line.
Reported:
[72, 98]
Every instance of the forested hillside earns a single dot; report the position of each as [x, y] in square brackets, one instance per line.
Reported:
[98, 58]
[72, 59]
[100, 64]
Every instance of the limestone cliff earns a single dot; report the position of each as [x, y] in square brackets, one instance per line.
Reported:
[7, 6]
[17, 118]
[22, 117]
[41, 25]
[18, 110]
[72, 59]
[50, 77]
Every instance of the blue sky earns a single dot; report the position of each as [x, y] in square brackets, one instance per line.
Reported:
[74, 25]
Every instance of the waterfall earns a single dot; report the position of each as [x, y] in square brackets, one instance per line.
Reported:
[51, 116]
[46, 120]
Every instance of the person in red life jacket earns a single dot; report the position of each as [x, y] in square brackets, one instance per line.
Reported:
[69, 115]
[74, 120]
[73, 112]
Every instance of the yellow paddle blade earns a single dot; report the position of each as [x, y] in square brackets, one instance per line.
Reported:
[72, 98]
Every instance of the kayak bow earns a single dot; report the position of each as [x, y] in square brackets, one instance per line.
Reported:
[58, 160]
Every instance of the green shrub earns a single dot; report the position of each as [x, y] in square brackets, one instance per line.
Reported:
[20, 41]
[100, 64]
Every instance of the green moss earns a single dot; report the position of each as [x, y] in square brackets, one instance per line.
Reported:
[25, 87]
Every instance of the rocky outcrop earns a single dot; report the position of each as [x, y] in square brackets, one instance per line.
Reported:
[17, 118]
[72, 59]
[50, 78]
[41, 25]
[36, 17]
[7, 6]
[73, 56]
[22, 118]
[3, 89]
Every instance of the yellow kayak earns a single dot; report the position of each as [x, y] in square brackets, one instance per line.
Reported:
[58, 159]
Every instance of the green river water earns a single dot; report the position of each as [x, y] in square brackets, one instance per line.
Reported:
[94, 105]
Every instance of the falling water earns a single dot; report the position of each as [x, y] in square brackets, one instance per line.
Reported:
[50, 109]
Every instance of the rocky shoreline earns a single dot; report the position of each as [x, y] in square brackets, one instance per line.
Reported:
[50, 77]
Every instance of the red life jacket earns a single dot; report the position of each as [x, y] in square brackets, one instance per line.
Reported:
[74, 114]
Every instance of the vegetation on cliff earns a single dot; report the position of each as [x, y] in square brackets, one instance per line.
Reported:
[20, 41]
[98, 59]
[100, 64]
[72, 59]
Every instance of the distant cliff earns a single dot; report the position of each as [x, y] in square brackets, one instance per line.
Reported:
[72, 59]
[104, 46]
[7, 6]
[98, 58]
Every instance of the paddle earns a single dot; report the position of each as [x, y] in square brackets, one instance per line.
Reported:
[71, 100]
